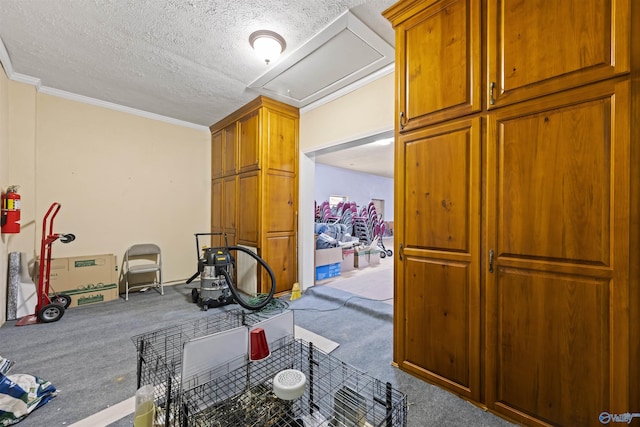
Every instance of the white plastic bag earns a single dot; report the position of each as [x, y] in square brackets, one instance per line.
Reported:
[21, 394]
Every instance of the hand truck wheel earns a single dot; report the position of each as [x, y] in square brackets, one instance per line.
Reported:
[51, 312]
[67, 238]
[62, 299]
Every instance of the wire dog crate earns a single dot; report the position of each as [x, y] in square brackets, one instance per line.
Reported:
[160, 354]
[336, 394]
[241, 392]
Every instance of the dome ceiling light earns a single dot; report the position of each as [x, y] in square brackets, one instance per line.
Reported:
[267, 44]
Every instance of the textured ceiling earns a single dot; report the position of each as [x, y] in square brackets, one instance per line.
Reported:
[185, 60]
[188, 60]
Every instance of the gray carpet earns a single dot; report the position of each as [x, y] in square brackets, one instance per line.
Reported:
[364, 329]
[90, 358]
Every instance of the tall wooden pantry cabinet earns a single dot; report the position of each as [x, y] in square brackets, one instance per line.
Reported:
[517, 204]
[254, 186]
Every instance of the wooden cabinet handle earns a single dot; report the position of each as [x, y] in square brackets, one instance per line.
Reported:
[400, 251]
[402, 120]
[491, 261]
[492, 86]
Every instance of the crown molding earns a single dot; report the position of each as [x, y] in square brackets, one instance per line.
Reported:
[4, 59]
[124, 109]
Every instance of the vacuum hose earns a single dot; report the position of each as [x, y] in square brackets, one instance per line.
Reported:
[236, 292]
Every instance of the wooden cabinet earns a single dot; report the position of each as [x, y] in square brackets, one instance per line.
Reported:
[539, 48]
[223, 152]
[557, 221]
[216, 155]
[260, 192]
[517, 208]
[249, 142]
[229, 156]
[249, 208]
[223, 209]
[438, 61]
[437, 333]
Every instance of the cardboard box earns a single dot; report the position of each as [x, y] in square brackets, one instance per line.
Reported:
[86, 279]
[348, 261]
[93, 295]
[361, 258]
[58, 272]
[388, 225]
[374, 256]
[328, 256]
[327, 271]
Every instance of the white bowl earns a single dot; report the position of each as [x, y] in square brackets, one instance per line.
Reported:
[289, 384]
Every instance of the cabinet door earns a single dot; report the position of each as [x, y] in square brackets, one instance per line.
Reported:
[249, 213]
[248, 142]
[216, 206]
[229, 204]
[558, 290]
[216, 154]
[280, 253]
[280, 203]
[223, 210]
[222, 239]
[541, 47]
[437, 322]
[438, 63]
[229, 150]
[281, 146]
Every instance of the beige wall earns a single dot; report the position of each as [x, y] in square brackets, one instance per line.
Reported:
[120, 178]
[19, 160]
[4, 177]
[366, 111]
[22, 142]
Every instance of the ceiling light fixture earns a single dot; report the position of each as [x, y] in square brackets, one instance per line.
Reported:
[267, 44]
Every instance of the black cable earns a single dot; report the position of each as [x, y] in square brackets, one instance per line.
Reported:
[276, 305]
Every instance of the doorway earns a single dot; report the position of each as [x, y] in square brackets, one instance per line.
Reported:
[361, 171]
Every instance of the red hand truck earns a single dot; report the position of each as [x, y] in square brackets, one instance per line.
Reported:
[48, 308]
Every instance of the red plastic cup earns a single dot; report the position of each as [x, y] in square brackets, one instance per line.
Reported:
[259, 348]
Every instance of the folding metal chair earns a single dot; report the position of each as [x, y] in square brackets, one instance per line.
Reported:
[143, 259]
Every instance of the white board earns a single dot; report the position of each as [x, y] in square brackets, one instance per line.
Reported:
[212, 351]
[230, 349]
[277, 327]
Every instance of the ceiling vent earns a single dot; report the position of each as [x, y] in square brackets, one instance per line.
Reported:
[341, 54]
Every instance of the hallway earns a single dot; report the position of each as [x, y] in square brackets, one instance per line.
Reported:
[373, 282]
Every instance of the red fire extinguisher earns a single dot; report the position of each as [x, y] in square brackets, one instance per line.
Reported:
[11, 210]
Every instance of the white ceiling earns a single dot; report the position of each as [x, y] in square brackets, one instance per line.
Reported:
[190, 60]
[365, 155]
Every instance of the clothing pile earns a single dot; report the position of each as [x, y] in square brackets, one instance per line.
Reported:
[21, 394]
[332, 236]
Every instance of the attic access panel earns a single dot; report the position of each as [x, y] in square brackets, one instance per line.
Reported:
[344, 52]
